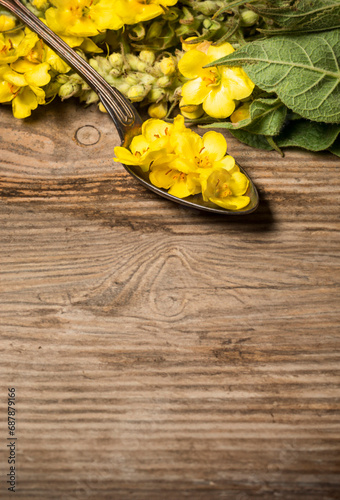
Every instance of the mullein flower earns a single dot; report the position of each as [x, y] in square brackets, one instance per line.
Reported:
[136, 11]
[82, 18]
[216, 88]
[27, 63]
[185, 164]
[23, 88]
[16, 44]
[7, 21]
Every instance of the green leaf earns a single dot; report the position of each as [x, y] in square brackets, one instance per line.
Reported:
[308, 135]
[303, 71]
[267, 117]
[300, 15]
[253, 140]
[335, 148]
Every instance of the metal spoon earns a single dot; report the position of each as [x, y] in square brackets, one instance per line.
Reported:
[123, 114]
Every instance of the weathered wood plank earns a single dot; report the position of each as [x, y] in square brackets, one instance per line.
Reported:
[159, 352]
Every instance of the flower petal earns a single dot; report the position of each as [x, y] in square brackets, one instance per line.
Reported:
[163, 177]
[13, 77]
[238, 183]
[180, 189]
[215, 145]
[187, 145]
[24, 103]
[139, 144]
[22, 65]
[190, 65]
[218, 103]
[195, 91]
[155, 129]
[39, 76]
[232, 202]
[7, 91]
[237, 83]
[124, 156]
[216, 52]
[227, 163]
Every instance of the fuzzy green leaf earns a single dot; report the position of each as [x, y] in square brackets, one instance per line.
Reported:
[308, 135]
[267, 117]
[303, 71]
[300, 15]
[253, 140]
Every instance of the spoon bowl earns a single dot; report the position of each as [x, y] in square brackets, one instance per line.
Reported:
[123, 114]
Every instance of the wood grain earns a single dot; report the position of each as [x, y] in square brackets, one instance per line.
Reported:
[160, 352]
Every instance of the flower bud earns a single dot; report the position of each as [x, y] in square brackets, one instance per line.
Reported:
[41, 4]
[122, 86]
[158, 110]
[208, 7]
[156, 69]
[191, 111]
[62, 78]
[116, 60]
[136, 93]
[147, 56]
[188, 108]
[131, 79]
[146, 79]
[101, 64]
[156, 94]
[168, 66]
[163, 81]
[135, 63]
[68, 90]
[7, 22]
[155, 30]
[91, 97]
[249, 18]
[116, 72]
[94, 64]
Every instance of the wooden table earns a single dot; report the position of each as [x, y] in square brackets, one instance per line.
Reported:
[161, 353]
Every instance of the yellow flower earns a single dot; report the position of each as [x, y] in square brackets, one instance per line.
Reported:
[217, 87]
[82, 18]
[40, 4]
[242, 113]
[22, 88]
[7, 22]
[26, 64]
[136, 11]
[16, 44]
[227, 189]
[185, 164]
[153, 146]
[177, 183]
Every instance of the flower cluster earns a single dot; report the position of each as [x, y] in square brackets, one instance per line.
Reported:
[183, 163]
[26, 64]
[30, 71]
[215, 89]
[87, 18]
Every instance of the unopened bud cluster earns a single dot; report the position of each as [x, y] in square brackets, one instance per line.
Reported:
[139, 77]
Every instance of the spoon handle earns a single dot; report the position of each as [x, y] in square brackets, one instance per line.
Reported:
[123, 114]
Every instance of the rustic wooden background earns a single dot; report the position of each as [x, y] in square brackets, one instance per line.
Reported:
[160, 353]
